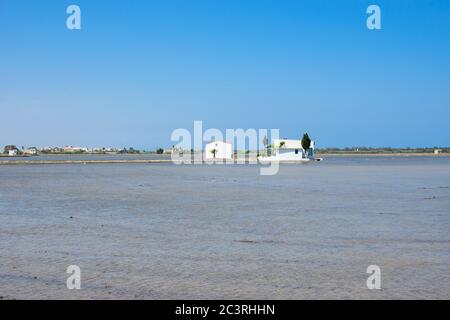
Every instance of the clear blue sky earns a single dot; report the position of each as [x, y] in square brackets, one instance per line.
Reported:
[139, 69]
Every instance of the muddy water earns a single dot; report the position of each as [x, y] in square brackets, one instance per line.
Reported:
[161, 231]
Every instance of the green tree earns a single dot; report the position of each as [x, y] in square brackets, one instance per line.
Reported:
[282, 143]
[269, 149]
[306, 142]
[159, 151]
[214, 151]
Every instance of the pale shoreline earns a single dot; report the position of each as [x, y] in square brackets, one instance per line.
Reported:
[44, 162]
[396, 154]
[156, 161]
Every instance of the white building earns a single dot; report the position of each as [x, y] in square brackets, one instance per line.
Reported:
[12, 153]
[219, 150]
[290, 150]
[72, 149]
[31, 151]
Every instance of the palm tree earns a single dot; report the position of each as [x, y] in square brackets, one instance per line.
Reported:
[282, 143]
[214, 151]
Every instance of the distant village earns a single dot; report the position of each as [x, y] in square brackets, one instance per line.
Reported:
[14, 151]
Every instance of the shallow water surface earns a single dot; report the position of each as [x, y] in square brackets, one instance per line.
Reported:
[162, 231]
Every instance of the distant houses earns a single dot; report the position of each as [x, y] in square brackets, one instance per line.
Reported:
[72, 149]
[11, 150]
[32, 151]
[78, 150]
[13, 153]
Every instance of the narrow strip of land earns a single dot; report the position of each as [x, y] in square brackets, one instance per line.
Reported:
[42, 162]
[381, 154]
[155, 161]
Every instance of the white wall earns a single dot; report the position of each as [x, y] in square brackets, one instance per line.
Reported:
[224, 150]
[289, 154]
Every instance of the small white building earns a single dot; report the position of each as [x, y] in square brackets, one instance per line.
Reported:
[290, 150]
[12, 153]
[220, 150]
[31, 151]
[72, 149]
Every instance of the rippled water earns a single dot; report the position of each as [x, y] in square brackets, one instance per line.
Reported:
[161, 231]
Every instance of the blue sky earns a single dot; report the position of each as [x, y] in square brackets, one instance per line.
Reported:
[137, 70]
